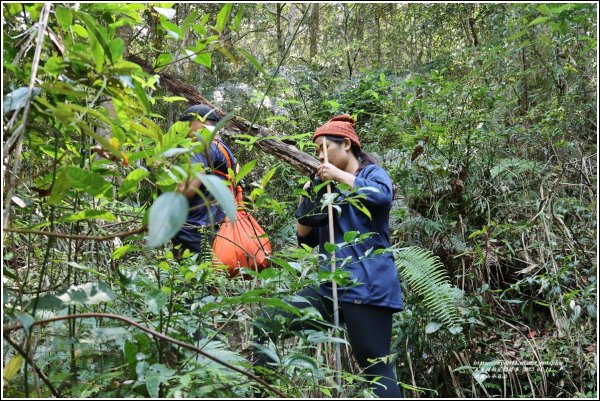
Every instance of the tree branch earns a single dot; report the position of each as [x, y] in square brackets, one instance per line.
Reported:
[74, 236]
[7, 330]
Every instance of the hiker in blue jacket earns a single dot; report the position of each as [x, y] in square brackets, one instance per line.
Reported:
[204, 215]
[367, 306]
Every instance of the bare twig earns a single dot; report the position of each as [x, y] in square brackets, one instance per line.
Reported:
[7, 330]
[17, 136]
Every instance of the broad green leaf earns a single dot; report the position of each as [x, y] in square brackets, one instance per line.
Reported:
[142, 96]
[116, 47]
[223, 16]
[162, 60]
[349, 236]
[60, 187]
[237, 19]
[455, 329]
[53, 66]
[85, 294]
[188, 21]
[12, 367]
[26, 320]
[544, 9]
[220, 192]
[329, 247]
[432, 327]
[166, 217]
[360, 207]
[322, 337]
[172, 29]
[64, 17]
[79, 30]
[97, 52]
[299, 360]
[204, 59]
[155, 375]
[34, 10]
[152, 380]
[87, 269]
[200, 28]
[268, 177]
[130, 183]
[90, 214]
[98, 39]
[130, 351]
[18, 98]
[228, 54]
[122, 250]
[267, 351]
[155, 300]
[244, 170]
[88, 182]
[125, 67]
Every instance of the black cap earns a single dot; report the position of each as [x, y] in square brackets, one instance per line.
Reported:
[201, 110]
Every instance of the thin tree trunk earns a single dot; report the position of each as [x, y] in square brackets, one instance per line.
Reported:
[314, 30]
[280, 43]
[378, 37]
[347, 39]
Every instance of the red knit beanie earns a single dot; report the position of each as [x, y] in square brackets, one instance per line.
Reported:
[341, 126]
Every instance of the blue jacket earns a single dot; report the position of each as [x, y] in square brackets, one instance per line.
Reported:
[376, 276]
[200, 213]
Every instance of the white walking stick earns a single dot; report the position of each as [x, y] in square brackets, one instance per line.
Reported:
[336, 313]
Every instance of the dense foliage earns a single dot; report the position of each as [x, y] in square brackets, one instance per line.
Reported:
[483, 114]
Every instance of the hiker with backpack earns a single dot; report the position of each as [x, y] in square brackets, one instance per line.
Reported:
[204, 215]
[366, 308]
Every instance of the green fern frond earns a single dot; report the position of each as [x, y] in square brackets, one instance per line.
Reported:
[425, 275]
[418, 223]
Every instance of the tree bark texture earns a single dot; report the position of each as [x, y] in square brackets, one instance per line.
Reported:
[314, 30]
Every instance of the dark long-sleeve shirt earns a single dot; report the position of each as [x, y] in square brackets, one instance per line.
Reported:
[376, 275]
[202, 214]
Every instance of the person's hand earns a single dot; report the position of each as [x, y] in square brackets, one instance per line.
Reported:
[328, 171]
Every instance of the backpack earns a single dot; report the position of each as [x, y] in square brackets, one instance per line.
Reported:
[242, 243]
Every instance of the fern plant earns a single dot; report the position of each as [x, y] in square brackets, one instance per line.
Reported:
[425, 275]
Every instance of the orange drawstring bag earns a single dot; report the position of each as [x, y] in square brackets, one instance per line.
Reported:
[242, 243]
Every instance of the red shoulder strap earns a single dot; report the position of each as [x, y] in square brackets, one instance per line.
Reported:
[226, 155]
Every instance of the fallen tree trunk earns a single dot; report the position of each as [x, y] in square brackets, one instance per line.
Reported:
[237, 125]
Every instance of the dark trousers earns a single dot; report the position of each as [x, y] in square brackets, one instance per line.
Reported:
[369, 331]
